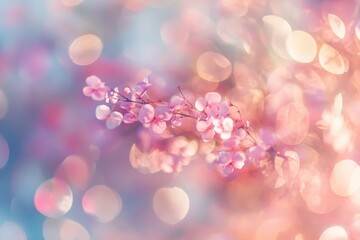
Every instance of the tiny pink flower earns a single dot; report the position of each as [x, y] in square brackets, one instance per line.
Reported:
[200, 104]
[154, 118]
[163, 112]
[208, 135]
[215, 118]
[141, 87]
[206, 130]
[228, 161]
[211, 98]
[231, 157]
[161, 115]
[237, 137]
[112, 119]
[146, 114]
[224, 127]
[95, 88]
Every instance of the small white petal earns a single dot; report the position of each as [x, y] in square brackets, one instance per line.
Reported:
[228, 124]
[213, 97]
[93, 81]
[102, 112]
[158, 126]
[146, 113]
[200, 104]
[202, 126]
[114, 120]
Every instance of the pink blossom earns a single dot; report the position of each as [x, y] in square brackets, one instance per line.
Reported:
[235, 158]
[95, 88]
[112, 119]
[236, 139]
[212, 114]
[224, 127]
[163, 112]
[211, 98]
[155, 117]
[217, 118]
[228, 161]
[206, 130]
[158, 126]
[176, 104]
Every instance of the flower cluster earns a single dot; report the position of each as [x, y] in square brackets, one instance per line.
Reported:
[215, 120]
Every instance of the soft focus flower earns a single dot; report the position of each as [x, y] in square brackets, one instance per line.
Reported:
[236, 158]
[211, 99]
[206, 129]
[95, 88]
[155, 117]
[176, 104]
[146, 114]
[112, 119]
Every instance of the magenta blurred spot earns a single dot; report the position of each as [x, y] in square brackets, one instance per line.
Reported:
[76, 171]
[53, 198]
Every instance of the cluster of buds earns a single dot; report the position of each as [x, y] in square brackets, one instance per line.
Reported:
[214, 119]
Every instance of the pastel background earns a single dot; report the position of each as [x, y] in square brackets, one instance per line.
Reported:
[63, 175]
